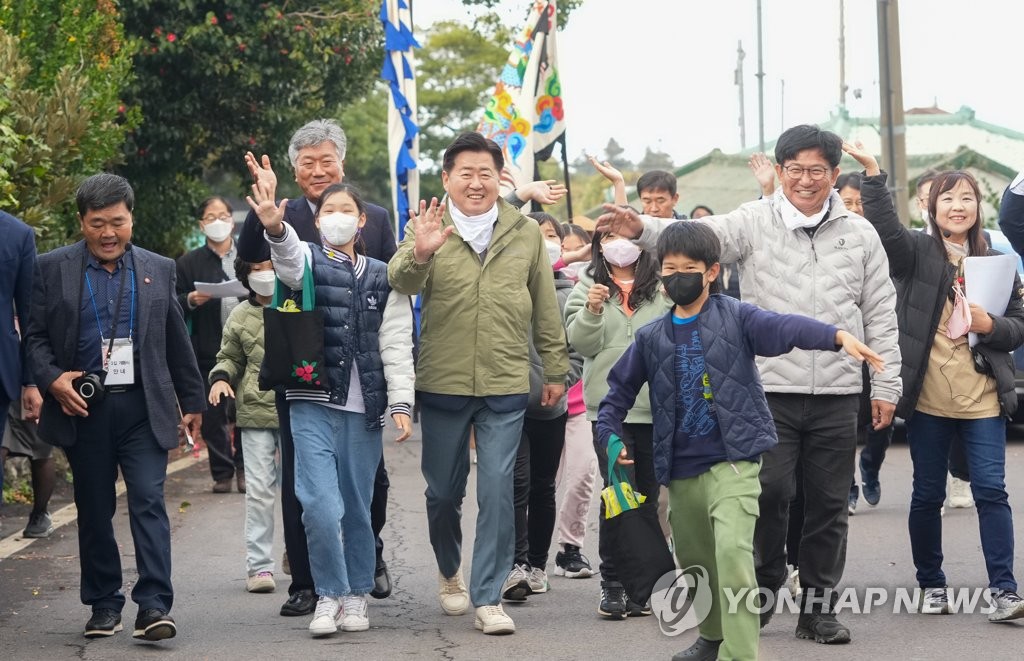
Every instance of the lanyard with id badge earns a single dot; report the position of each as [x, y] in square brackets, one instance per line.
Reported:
[118, 360]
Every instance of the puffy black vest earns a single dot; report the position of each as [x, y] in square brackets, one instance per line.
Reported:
[353, 311]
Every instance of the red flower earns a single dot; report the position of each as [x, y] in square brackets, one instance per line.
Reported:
[229, 16]
[241, 47]
[348, 59]
[120, 109]
[213, 20]
[171, 37]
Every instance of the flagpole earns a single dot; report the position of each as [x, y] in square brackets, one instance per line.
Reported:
[565, 170]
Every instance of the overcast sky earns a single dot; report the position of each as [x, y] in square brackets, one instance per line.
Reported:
[659, 73]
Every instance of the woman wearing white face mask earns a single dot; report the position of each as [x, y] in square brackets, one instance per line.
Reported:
[618, 293]
[338, 426]
[214, 261]
[236, 375]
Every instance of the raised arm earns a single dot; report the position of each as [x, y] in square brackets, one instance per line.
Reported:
[409, 269]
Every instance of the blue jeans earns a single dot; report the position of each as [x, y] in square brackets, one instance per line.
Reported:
[262, 475]
[445, 465]
[984, 444]
[336, 460]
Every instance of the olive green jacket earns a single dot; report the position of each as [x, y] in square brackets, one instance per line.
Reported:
[477, 316]
[238, 363]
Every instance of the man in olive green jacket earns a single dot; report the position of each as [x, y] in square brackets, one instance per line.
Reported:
[483, 290]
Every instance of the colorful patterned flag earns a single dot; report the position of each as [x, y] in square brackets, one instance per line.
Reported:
[403, 131]
[525, 114]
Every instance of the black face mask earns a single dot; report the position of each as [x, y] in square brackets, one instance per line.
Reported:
[684, 288]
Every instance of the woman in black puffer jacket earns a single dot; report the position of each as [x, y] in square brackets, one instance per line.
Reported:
[949, 387]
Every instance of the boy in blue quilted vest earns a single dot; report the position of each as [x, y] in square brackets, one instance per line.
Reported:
[711, 421]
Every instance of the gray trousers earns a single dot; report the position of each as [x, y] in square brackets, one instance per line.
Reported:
[445, 465]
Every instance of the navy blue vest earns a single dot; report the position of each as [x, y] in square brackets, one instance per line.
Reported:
[353, 311]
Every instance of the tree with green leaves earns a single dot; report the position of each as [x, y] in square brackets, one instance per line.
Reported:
[217, 78]
[63, 67]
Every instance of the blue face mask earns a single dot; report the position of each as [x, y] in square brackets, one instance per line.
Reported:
[684, 288]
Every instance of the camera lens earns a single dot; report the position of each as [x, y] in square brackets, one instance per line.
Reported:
[87, 390]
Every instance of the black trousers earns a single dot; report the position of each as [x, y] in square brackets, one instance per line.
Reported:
[223, 463]
[291, 508]
[116, 435]
[540, 452]
[818, 432]
[639, 442]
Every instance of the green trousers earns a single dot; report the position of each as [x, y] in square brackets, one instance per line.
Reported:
[713, 517]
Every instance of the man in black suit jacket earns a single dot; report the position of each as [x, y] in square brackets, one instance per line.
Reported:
[17, 260]
[104, 308]
[317, 154]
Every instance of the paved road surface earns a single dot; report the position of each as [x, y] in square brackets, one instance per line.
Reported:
[42, 618]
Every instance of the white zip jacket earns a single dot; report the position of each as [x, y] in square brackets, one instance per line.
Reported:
[840, 277]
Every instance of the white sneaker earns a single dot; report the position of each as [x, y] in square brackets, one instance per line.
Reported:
[794, 582]
[517, 584]
[537, 579]
[453, 594]
[935, 601]
[960, 493]
[1008, 606]
[493, 621]
[327, 617]
[354, 613]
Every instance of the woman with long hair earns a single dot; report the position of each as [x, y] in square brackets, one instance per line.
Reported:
[950, 387]
[617, 294]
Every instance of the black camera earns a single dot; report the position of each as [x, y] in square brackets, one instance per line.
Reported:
[90, 387]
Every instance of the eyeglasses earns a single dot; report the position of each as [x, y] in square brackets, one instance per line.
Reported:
[210, 219]
[796, 172]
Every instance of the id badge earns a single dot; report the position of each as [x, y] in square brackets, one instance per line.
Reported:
[121, 367]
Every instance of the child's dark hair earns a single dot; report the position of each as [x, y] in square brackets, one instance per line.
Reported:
[242, 271]
[543, 218]
[694, 240]
[645, 280]
[577, 231]
[357, 197]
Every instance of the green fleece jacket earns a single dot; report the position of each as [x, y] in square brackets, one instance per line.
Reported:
[238, 363]
[602, 339]
[477, 316]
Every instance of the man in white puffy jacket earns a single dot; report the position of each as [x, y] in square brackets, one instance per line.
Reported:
[801, 251]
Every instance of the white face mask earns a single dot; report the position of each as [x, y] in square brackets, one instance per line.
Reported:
[218, 230]
[338, 228]
[263, 282]
[572, 271]
[621, 252]
[554, 250]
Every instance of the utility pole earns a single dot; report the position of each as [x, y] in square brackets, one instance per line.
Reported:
[842, 54]
[893, 129]
[760, 83]
[738, 81]
[782, 105]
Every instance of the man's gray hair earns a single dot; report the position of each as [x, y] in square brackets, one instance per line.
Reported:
[316, 133]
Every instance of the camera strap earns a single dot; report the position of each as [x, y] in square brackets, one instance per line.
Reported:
[117, 310]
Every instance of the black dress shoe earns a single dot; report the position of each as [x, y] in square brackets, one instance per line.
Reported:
[154, 624]
[104, 622]
[302, 602]
[702, 650]
[381, 582]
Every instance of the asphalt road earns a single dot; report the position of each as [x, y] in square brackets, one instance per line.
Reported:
[41, 616]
